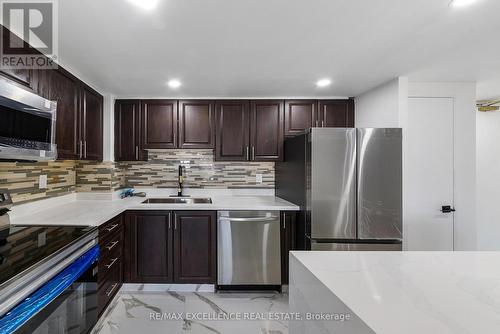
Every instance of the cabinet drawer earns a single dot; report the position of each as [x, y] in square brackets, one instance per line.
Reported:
[111, 243]
[110, 286]
[110, 227]
[108, 264]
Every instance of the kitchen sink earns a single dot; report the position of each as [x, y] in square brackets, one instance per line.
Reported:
[178, 200]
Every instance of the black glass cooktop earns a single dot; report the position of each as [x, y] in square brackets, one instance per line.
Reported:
[23, 246]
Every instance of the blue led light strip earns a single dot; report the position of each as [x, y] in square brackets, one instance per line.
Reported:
[35, 302]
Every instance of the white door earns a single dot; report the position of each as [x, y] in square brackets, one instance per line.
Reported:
[428, 179]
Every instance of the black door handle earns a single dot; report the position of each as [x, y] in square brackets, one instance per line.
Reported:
[447, 209]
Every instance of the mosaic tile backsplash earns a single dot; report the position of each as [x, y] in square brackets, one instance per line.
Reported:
[160, 171]
[200, 171]
[97, 176]
[22, 179]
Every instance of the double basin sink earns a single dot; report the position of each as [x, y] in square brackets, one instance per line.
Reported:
[178, 200]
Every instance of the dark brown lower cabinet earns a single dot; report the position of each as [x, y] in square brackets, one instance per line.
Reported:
[195, 246]
[166, 247]
[148, 247]
[288, 219]
[110, 265]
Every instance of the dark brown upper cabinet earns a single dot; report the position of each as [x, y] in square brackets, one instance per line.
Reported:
[251, 131]
[79, 122]
[232, 130]
[299, 116]
[336, 113]
[266, 130]
[128, 145]
[64, 88]
[91, 118]
[79, 118]
[195, 246]
[196, 124]
[21, 77]
[159, 124]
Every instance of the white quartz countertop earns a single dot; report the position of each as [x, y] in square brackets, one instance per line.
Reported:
[70, 210]
[413, 292]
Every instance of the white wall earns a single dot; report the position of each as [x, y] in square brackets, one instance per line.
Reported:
[488, 180]
[108, 128]
[383, 105]
[464, 97]
[387, 106]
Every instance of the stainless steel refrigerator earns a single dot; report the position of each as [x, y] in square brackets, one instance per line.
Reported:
[348, 183]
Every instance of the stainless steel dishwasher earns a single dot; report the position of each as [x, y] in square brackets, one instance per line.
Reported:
[248, 246]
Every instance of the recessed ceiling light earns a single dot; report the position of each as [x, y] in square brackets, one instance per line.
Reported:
[174, 83]
[323, 82]
[461, 3]
[144, 4]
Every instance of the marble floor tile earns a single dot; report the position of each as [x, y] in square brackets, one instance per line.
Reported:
[187, 312]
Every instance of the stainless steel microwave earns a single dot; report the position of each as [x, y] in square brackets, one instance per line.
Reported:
[27, 125]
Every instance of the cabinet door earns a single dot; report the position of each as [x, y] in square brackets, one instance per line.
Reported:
[148, 247]
[300, 115]
[127, 131]
[196, 124]
[159, 118]
[336, 113]
[43, 78]
[91, 123]
[12, 44]
[266, 130]
[21, 77]
[232, 131]
[194, 247]
[65, 88]
[287, 241]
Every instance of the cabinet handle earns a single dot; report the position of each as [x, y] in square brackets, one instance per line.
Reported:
[322, 124]
[316, 123]
[80, 153]
[175, 224]
[248, 153]
[253, 152]
[112, 262]
[246, 220]
[85, 148]
[110, 291]
[112, 227]
[137, 153]
[111, 245]
[284, 221]
[169, 221]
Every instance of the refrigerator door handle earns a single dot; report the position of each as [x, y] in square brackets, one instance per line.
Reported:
[447, 209]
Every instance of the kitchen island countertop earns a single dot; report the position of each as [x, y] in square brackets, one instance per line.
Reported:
[397, 292]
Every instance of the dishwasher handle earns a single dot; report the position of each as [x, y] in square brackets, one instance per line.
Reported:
[257, 219]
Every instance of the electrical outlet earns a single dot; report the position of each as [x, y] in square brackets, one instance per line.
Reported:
[42, 182]
[258, 178]
[42, 239]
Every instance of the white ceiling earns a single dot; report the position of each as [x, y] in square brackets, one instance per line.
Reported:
[269, 48]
